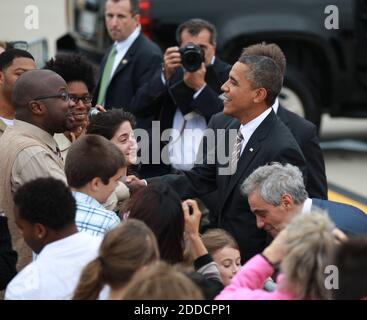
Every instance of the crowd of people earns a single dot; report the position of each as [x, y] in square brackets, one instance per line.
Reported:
[239, 214]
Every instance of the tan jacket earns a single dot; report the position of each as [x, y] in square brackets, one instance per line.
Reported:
[27, 153]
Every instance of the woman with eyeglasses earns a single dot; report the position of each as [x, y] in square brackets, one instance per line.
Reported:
[79, 76]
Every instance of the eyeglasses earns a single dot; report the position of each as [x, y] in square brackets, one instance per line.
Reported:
[63, 96]
[85, 99]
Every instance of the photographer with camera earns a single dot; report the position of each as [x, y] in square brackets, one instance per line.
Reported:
[186, 91]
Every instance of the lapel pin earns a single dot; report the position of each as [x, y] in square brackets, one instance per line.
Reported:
[251, 149]
[124, 61]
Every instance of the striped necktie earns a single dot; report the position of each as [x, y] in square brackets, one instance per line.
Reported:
[106, 76]
[236, 151]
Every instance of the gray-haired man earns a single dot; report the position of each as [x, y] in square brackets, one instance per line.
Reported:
[276, 193]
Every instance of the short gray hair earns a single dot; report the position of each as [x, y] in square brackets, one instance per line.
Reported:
[273, 181]
[264, 73]
[309, 245]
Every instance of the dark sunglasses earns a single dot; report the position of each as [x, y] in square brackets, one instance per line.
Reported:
[63, 96]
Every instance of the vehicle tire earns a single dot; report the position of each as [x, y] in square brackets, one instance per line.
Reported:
[298, 95]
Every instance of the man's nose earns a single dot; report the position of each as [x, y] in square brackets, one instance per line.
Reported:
[114, 21]
[259, 223]
[224, 87]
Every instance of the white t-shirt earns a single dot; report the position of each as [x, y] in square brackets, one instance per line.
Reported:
[56, 272]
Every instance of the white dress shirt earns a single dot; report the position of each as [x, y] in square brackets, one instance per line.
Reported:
[55, 273]
[122, 47]
[275, 106]
[187, 132]
[307, 206]
[249, 128]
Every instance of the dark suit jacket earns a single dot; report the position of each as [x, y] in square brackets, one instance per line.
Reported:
[137, 67]
[347, 218]
[305, 134]
[271, 141]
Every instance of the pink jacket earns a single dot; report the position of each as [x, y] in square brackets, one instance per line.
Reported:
[248, 282]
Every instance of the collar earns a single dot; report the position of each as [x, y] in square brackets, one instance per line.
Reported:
[123, 44]
[37, 133]
[62, 141]
[55, 247]
[8, 122]
[275, 106]
[307, 205]
[85, 198]
[249, 128]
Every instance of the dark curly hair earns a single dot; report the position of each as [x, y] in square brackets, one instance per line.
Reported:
[73, 67]
[47, 201]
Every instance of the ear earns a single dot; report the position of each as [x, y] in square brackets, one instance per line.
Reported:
[260, 95]
[137, 18]
[41, 231]
[287, 201]
[36, 107]
[94, 184]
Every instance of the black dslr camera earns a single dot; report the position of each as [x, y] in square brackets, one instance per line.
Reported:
[192, 57]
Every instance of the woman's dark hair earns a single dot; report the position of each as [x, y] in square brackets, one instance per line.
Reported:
[160, 208]
[73, 67]
[107, 123]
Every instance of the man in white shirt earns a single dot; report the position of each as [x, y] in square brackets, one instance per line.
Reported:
[45, 214]
[130, 62]
[185, 97]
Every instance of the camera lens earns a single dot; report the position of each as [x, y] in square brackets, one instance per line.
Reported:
[192, 57]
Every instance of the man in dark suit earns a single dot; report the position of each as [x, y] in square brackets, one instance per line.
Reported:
[277, 192]
[130, 62]
[186, 99]
[304, 131]
[252, 137]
